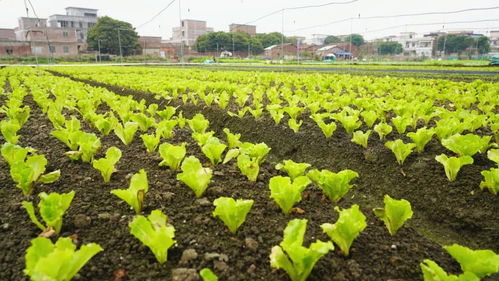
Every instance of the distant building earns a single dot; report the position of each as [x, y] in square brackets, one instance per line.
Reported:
[189, 31]
[494, 41]
[288, 51]
[150, 45]
[413, 45]
[250, 29]
[81, 19]
[316, 39]
[339, 50]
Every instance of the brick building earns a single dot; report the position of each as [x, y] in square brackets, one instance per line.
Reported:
[250, 29]
[150, 45]
[288, 51]
[189, 31]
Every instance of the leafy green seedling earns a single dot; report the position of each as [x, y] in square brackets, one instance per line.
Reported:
[285, 192]
[350, 123]
[143, 121]
[135, 193]
[202, 138]
[165, 128]
[155, 233]
[208, 275]
[467, 145]
[433, 272]
[493, 155]
[248, 166]
[421, 137]
[9, 130]
[482, 263]
[198, 123]
[382, 129]
[258, 151]
[151, 141]
[60, 261]
[361, 138]
[294, 125]
[490, 180]
[194, 175]
[105, 124]
[346, 229]
[106, 165]
[334, 185]
[292, 168]
[394, 214]
[232, 212]
[88, 145]
[400, 149]
[126, 132]
[213, 149]
[401, 123]
[369, 117]
[297, 260]
[232, 139]
[231, 154]
[172, 155]
[452, 165]
[327, 129]
[52, 208]
[167, 113]
[276, 112]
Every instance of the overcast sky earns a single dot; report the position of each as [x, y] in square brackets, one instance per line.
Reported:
[220, 13]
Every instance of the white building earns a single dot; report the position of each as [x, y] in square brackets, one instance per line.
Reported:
[189, 31]
[413, 44]
[316, 39]
[82, 19]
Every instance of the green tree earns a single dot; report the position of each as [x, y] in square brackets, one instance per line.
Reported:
[269, 39]
[332, 39]
[483, 44]
[390, 48]
[454, 43]
[357, 39]
[106, 31]
[220, 41]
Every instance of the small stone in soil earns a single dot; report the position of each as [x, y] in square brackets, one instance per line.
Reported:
[211, 256]
[251, 244]
[82, 221]
[203, 202]
[220, 266]
[168, 195]
[187, 256]
[184, 274]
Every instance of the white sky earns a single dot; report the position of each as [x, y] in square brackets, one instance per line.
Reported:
[220, 13]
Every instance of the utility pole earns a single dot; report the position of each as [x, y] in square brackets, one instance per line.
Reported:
[119, 42]
[233, 46]
[98, 45]
[249, 49]
[282, 37]
[181, 34]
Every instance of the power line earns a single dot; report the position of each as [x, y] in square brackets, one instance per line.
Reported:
[422, 24]
[397, 16]
[155, 16]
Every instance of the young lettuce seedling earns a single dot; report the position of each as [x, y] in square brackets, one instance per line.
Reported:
[369, 117]
[202, 138]
[143, 121]
[361, 138]
[198, 123]
[401, 123]
[165, 128]
[276, 112]
[292, 168]
[167, 113]
[88, 144]
[433, 272]
[452, 165]
[421, 137]
[106, 165]
[60, 261]
[172, 155]
[155, 233]
[232, 139]
[126, 132]
[349, 123]
[294, 125]
[135, 193]
[334, 185]
[52, 208]
[382, 129]
[27, 170]
[493, 155]
[9, 130]
[151, 141]
[491, 180]
[285, 192]
[232, 212]
[208, 275]
[467, 145]
[248, 166]
[394, 214]
[297, 260]
[482, 263]
[400, 149]
[327, 129]
[194, 175]
[346, 229]
[213, 149]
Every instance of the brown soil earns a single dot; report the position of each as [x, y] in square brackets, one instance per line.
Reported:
[441, 208]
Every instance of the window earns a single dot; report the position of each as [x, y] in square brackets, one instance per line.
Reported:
[90, 24]
[80, 24]
[90, 15]
[65, 34]
[72, 23]
[9, 51]
[63, 23]
[182, 23]
[183, 33]
[65, 49]
[52, 49]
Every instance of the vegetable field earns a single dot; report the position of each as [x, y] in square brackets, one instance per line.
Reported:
[136, 173]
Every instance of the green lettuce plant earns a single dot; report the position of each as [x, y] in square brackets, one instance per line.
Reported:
[401, 123]
[213, 149]
[143, 121]
[349, 225]
[452, 165]
[202, 138]
[69, 134]
[9, 129]
[126, 132]
[291, 256]
[194, 175]
[334, 185]
[134, 195]
[350, 123]
[361, 138]
[151, 141]
[466, 145]
[285, 192]
[394, 214]
[327, 129]
[52, 208]
[490, 180]
[165, 128]
[382, 129]
[155, 233]
[421, 137]
[232, 139]
[232, 212]
[208, 275]
[172, 155]
[493, 155]
[400, 149]
[88, 145]
[60, 261]
[167, 113]
[105, 123]
[198, 123]
[276, 112]
[292, 168]
[231, 154]
[257, 151]
[248, 166]
[106, 165]
[369, 117]
[433, 272]
[482, 263]
[294, 125]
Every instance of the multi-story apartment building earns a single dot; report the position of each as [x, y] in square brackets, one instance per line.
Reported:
[81, 19]
[189, 31]
[414, 45]
[250, 29]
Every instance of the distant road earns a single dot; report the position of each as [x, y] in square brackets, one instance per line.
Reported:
[272, 67]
